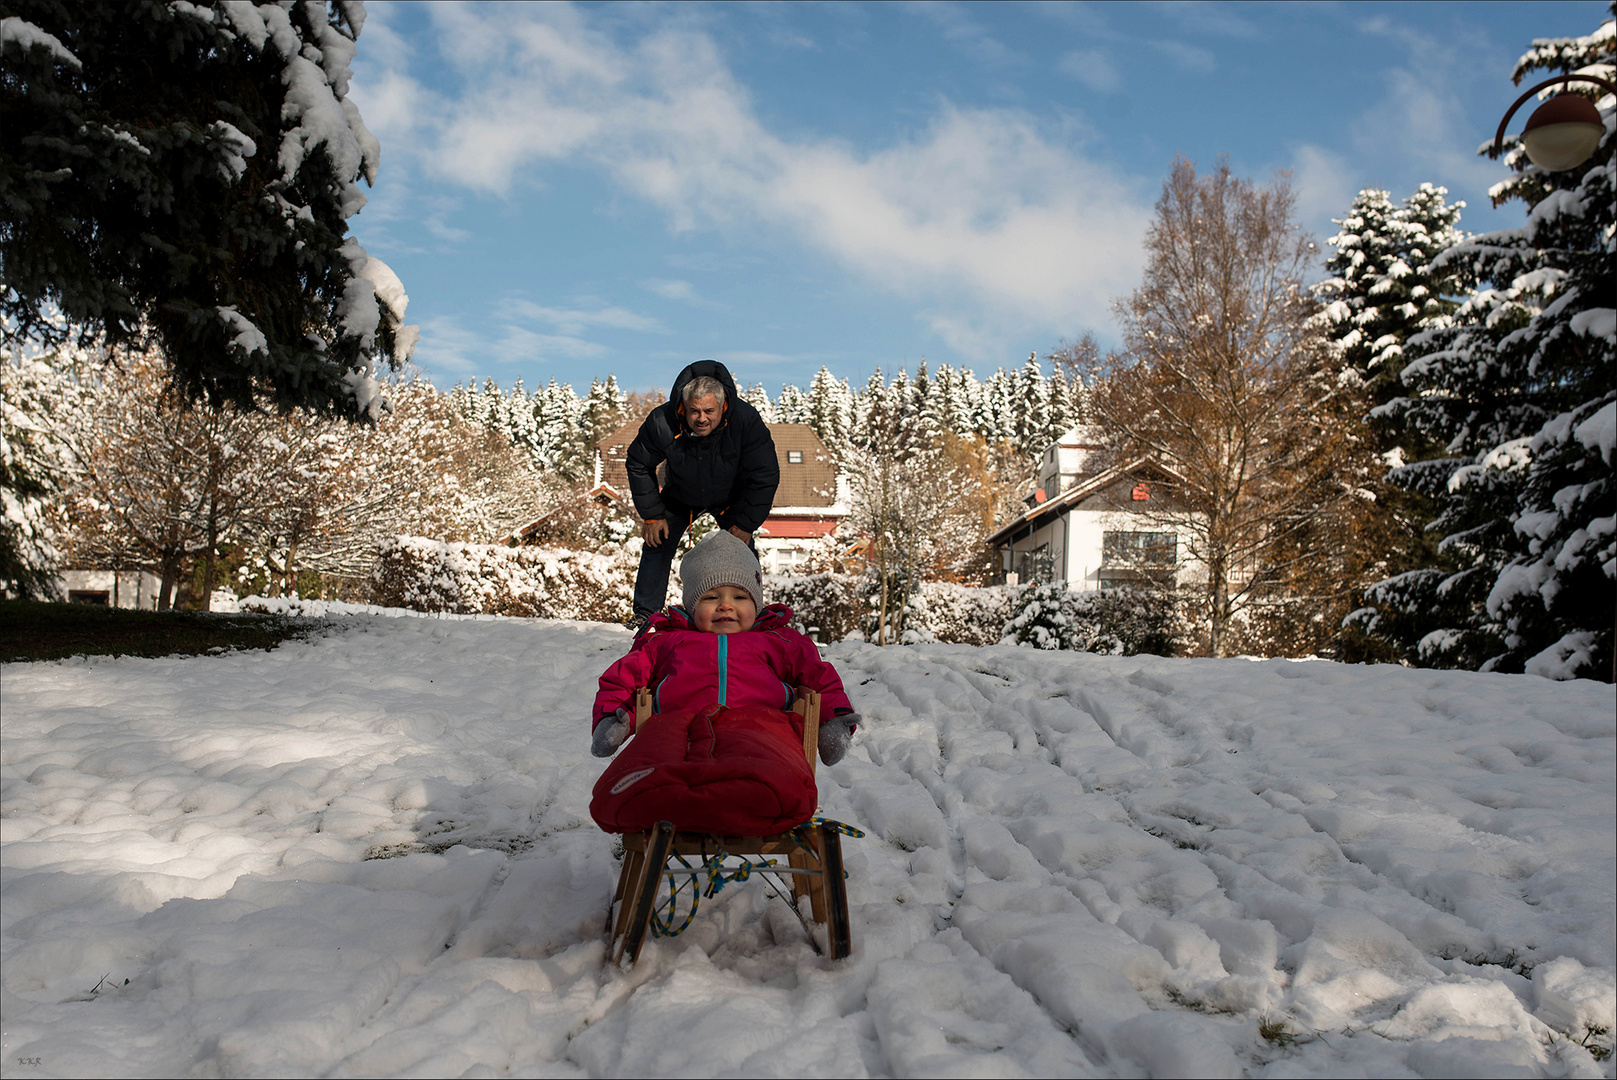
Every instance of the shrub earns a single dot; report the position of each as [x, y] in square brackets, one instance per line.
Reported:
[962, 615]
[833, 607]
[826, 607]
[1116, 621]
[483, 579]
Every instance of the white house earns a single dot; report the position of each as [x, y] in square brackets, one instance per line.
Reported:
[112, 588]
[1091, 526]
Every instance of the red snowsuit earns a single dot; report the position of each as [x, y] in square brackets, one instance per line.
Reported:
[687, 668]
[723, 754]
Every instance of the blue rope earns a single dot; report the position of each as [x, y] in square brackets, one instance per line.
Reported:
[718, 877]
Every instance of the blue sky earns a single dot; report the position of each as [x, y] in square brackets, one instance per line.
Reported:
[568, 191]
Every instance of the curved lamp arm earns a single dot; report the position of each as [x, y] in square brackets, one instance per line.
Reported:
[1499, 136]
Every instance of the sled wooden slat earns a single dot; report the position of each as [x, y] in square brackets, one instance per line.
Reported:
[646, 854]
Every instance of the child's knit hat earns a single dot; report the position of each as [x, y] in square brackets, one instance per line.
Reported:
[720, 558]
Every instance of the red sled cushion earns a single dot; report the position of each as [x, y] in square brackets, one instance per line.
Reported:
[739, 772]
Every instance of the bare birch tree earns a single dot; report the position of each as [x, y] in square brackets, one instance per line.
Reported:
[1223, 381]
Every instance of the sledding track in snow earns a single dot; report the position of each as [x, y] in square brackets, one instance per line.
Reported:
[370, 854]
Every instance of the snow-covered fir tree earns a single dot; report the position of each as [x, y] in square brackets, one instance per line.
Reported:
[1383, 289]
[756, 396]
[185, 172]
[1521, 391]
[959, 397]
[831, 407]
[552, 426]
[605, 410]
[793, 407]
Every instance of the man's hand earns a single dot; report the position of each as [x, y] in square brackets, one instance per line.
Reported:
[741, 534]
[654, 532]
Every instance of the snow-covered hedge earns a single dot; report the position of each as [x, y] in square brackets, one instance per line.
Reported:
[1113, 621]
[484, 579]
[831, 607]
[326, 609]
[827, 607]
[962, 615]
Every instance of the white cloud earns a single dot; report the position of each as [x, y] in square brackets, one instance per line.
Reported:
[1325, 185]
[1092, 67]
[677, 289]
[982, 214]
[1189, 57]
[966, 34]
[575, 321]
[1415, 129]
[521, 345]
[674, 289]
[1205, 18]
[1420, 119]
[445, 345]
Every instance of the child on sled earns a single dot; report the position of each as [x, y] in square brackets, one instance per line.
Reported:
[722, 669]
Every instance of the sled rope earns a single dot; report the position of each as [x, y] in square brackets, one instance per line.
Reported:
[718, 876]
[845, 830]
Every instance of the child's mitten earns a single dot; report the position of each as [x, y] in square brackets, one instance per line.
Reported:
[610, 733]
[836, 735]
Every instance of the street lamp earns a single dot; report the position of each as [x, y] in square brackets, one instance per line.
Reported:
[1562, 132]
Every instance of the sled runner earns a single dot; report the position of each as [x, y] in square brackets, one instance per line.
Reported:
[813, 851]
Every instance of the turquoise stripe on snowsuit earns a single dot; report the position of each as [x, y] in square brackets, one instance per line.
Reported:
[724, 664]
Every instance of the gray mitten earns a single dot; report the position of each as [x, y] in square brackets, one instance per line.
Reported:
[836, 735]
[610, 733]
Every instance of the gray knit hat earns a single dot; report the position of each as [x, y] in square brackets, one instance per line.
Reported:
[719, 558]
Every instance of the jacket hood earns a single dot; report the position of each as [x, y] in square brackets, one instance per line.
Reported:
[710, 368]
[772, 617]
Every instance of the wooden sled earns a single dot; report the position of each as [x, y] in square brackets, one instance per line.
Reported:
[813, 853]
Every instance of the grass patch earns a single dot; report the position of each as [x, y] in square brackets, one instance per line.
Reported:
[1277, 1034]
[34, 630]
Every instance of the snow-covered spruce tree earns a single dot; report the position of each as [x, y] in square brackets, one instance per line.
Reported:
[604, 410]
[831, 407]
[792, 407]
[756, 396]
[1521, 391]
[1383, 289]
[185, 172]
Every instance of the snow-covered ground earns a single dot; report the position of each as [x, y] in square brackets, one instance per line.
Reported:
[370, 854]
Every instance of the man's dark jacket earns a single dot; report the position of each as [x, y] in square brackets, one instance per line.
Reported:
[732, 471]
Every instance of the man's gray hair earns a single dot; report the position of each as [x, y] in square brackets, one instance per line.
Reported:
[700, 387]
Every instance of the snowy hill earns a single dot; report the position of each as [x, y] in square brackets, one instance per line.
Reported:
[1075, 865]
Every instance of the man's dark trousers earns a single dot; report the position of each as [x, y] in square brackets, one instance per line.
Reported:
[657, 563]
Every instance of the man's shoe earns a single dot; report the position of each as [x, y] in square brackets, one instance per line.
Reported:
[636, 624]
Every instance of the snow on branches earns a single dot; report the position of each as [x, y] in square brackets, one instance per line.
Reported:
[1518, 392]
[187, 179]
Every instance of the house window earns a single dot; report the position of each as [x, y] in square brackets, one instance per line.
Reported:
[1035, 567]
[794, 457]
[89, 596]
[1135, 558]
[1139, 548]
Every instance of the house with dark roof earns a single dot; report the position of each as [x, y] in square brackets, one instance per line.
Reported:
[1091, 524]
